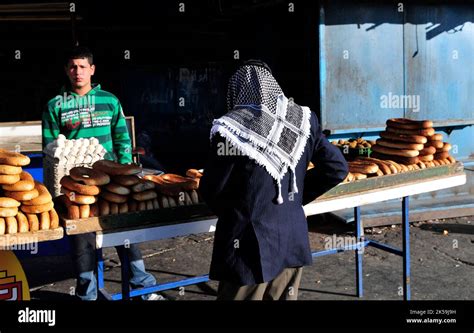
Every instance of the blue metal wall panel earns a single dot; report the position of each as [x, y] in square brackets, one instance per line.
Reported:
[361, 60]
[439, 55]
[463, 143]
[425, 51]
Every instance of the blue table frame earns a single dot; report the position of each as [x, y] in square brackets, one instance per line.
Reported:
[362, 243]
[357, 248]
[316, 207]
[126, 293]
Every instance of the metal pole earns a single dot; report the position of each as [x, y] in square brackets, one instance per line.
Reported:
[358, 252]
[406, 249]
[100, 269]
[125, 269]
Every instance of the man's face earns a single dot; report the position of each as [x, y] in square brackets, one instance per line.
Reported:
[79, 72]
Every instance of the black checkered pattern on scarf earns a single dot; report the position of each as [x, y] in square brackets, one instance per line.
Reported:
[253, 85]
[258, 125]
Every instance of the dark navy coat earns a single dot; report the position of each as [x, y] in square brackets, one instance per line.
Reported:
[256, 238]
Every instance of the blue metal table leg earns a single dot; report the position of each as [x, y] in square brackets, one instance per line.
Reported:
[100, 269]
[125, 269]
[358, 252]
[406, 248]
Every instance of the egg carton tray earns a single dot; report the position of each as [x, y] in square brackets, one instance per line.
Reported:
[53, 171]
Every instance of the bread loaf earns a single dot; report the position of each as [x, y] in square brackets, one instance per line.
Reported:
[422, 132]
[399, 144]
[33, 222]
[395, 158]
[394, 151]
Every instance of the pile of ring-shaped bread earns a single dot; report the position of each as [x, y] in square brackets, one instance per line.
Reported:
[110, 188]
[406, 145]
[410, 142]
[25, 204]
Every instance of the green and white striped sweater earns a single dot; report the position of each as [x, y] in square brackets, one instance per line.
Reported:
[97, 114]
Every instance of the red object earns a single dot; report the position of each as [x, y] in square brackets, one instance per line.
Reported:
[11, 291]
[139, 151]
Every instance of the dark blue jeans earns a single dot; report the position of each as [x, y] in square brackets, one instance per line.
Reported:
[84, 258]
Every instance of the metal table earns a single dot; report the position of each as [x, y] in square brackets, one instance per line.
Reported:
[375, 196]
[321, 205]
[134, 236]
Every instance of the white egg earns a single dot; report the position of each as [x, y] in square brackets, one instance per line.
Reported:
[57, 152]
[61, 137]
[88, 159]
[98, 149]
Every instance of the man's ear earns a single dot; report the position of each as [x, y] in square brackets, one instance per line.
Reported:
[92, 69]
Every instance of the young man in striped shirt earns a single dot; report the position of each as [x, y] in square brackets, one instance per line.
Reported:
[83, 111]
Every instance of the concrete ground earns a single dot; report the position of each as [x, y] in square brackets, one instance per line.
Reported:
[442, 256]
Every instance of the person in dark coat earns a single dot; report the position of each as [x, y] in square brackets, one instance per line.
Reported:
[254, 181]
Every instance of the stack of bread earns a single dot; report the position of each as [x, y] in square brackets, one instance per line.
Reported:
[25, 205]
[363, 167]
[403, 140]
[177, 190]
[410, 142]
[144, 196]
[111, 188]
[126, 192]
[436, 152]
[81, 189]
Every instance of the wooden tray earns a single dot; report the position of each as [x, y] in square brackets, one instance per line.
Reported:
[136, 219]
[391, 180]
[30, 237]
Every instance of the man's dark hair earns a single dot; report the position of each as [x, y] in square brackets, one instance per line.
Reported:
[79, 52]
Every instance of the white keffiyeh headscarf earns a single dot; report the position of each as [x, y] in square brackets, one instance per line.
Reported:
[263, 124]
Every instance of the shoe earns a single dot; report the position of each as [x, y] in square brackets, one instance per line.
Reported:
[155, 297]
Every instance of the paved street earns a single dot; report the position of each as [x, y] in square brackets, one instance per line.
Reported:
[442, 254]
